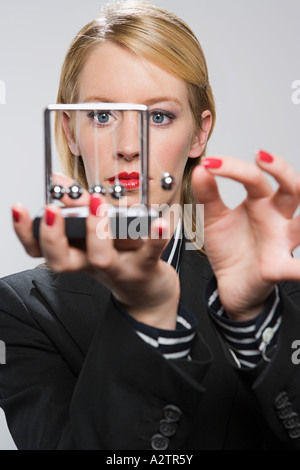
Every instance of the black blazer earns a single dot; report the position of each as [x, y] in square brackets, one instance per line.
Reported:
[78, 377]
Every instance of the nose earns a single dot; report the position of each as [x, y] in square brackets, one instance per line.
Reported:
[127, 138]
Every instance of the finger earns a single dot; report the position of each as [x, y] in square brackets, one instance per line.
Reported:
[286, 198]
[23, 226]
[66, 183]
[152, 248]
[100, 241]
[206, 192]
[253, 179]
[60, 256]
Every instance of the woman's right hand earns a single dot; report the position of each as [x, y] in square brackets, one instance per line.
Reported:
[146, 286]
[23, 224]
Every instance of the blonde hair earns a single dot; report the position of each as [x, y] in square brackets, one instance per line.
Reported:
[155, 34]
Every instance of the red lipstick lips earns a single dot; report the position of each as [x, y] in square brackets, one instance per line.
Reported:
[129, 180]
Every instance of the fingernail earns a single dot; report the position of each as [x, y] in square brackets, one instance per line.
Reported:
[265, 156]
[50, 217]
[161, 229]
[16, 215]
[211, 163]
[95, 203]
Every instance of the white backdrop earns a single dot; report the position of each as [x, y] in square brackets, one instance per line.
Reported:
[252, 50]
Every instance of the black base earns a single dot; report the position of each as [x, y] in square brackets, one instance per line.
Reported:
[133, 223]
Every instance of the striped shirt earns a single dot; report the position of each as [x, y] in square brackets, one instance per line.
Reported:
[248, 341]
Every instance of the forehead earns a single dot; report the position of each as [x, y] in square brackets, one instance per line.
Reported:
[116, 74]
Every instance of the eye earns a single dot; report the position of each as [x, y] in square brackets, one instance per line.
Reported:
[161, 118]
[102, 118]
[158, 118]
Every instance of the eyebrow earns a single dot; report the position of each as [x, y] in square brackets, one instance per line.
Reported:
[160, 99]
[151, 101]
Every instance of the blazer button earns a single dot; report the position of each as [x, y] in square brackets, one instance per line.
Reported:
[167, 428]
[281, 400]
[172, 413]
[291, 421]
[295, 432]
[159, 442]
[286, 411]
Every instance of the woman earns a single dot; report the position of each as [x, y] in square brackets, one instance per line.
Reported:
[113, 349]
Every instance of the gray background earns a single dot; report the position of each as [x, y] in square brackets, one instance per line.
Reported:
[252, 49]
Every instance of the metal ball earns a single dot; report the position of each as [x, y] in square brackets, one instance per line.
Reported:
[98, 189]
[74, 191]
[117, 190]
[57, 191]
[167, 181]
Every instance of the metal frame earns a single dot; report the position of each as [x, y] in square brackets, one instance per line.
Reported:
[99, 106]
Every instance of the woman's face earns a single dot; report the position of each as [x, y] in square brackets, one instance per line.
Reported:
[115, 75]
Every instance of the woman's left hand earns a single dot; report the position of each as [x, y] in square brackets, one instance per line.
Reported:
[250, 247]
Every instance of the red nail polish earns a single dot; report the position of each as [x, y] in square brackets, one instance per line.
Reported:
[160, 231]
[265, 156]
[211, 163]
[50, 217]
[95, 203]
[16, 215]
